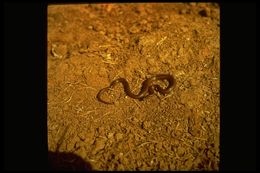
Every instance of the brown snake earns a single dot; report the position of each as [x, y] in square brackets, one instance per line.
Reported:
[148, 87]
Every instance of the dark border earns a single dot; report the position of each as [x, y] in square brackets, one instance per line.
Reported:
[25, 89]
[238, 86]
[25, 86]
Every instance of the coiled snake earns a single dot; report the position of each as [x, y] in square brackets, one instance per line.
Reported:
[147, 88]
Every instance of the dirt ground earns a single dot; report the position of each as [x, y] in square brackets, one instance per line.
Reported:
[90, 45]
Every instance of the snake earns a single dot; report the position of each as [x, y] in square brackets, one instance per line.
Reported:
[148, 87]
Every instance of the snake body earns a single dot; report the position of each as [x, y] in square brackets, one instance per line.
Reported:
[147, 88]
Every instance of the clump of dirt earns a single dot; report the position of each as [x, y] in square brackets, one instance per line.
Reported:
[90, 45]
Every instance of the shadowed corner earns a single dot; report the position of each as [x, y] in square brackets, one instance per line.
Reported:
[64, 161]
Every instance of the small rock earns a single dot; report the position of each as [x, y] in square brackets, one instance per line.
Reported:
[150, 61]
[135, 120]
[180, 51]
[71, 144]
[82, 135]
[102, 72]
[121, 168]
[146, 125]
[101, 130]
[187, 84]
[81, 152]
[158, 146]
[134, 29]
[180, 151]
[90, 27]
[110, 135]
[123, 125]
[119, 136]
[89, 137]
[99, 145]
[59, 50]
[79, 144]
